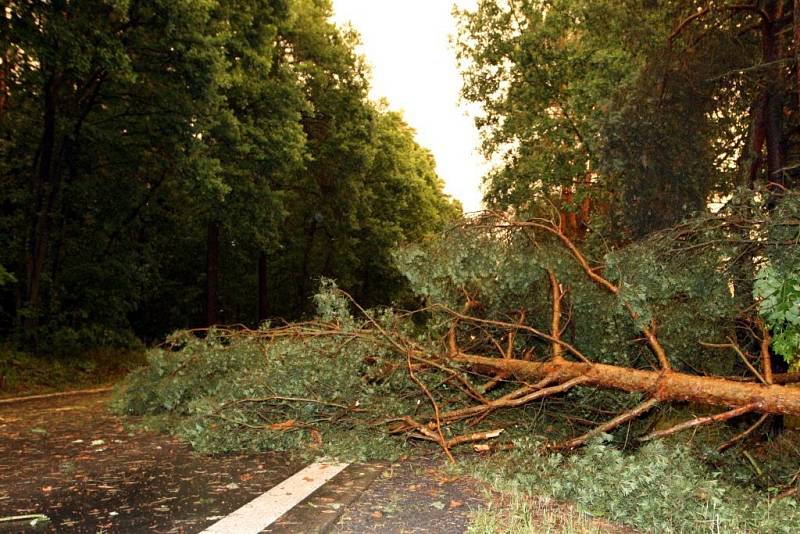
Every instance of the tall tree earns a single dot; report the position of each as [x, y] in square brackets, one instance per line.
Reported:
[96, 87]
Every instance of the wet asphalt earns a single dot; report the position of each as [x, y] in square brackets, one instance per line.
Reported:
[90, 471]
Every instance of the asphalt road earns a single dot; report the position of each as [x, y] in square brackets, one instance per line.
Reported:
[88, 471]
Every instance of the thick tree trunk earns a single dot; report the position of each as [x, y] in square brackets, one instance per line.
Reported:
[212, 274]
[796, 49]
[664, 386]
[568, 218]
[5, 75]
[263, 303]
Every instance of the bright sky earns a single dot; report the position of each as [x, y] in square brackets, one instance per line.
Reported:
[414, 68]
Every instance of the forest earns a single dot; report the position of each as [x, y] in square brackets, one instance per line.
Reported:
[619, 327]
[171, 164]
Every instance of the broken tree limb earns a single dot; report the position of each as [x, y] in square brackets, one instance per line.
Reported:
[700, 421]
[94, 391]
[476, 436]
[555, 320]
[739, 437]
[742, 356]
[427, 392]
[509, 401]
[648, 331]
[664, 386]
[502, 324]
[621, 419]
[507, 353]
[766, 359]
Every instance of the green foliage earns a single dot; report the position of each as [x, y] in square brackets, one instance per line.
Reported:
[597, 99]
[689, 293]
[6, 277]
[232, 391]
[132, 127]
[310, 395]
[778, 297]
[658, 488]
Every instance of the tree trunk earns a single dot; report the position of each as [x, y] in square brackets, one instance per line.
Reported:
[796, 49]
[568, 218]
[751, 159]
[302, 282]
[212, 274]
[46, 186]
[5, 75]
[263, 305]
[773, 95]
[664, 386]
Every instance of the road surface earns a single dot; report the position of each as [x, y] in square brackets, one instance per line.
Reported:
[89, 471]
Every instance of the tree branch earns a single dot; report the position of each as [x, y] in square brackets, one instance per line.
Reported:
[610, 425]
[701, 421]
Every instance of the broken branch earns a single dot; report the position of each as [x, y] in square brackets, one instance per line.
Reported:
[699, 421]
[621, 419]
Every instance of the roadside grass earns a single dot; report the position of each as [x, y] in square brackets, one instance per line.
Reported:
[515, 512]
[661, 487]
[25, 374]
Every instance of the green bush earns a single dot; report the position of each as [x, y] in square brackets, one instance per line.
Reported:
[659, 488]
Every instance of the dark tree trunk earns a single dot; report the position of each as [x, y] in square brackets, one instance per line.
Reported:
[5, 75]
[302, 283]
[751, 159]
[796, 49]
[773, 95]
[263, 303]
[46, 185]
[212, 274]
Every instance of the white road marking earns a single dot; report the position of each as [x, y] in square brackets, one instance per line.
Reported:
[265, 509]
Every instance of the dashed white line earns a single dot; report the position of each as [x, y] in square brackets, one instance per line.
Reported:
[265, 509]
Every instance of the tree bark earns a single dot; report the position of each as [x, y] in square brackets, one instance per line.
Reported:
[751, 159]
[263, 303]
[664, 386]
[5, 75]
[796, 50]
[773, 95]
[212, 274]
[46, 185]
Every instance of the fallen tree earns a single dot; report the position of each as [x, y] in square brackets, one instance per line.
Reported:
[477, 352]
[660, 385]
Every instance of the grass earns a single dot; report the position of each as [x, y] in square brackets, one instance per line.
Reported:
[518, 513]
[658, 488]
[26, 374]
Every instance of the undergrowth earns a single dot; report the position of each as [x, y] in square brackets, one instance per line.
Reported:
[659, 488]
[22, 373]
[518, 513]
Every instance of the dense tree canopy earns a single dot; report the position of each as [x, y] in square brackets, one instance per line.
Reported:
[627, 118]
[651, 109]
[169, 163]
